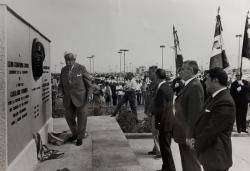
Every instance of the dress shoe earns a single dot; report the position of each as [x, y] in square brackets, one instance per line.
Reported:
[245, 131]
[72, 138]
[78, 142]
[151, 153]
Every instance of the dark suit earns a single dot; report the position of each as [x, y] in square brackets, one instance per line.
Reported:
[213, 132]
[241, 102]
[188, 105]
[164, 118]
[75, 86]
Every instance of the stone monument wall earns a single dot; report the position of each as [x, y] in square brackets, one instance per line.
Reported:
[25, 103]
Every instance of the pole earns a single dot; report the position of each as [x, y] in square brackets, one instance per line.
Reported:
[89, 64]
[239, 58]
[92, 57]
[120, 62]
[124, 51]
[162, 46]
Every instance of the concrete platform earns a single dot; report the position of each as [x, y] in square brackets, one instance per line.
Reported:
[106, 148]
[240, 145]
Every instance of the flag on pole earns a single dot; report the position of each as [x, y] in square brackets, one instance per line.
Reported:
[219, 58]
[246, 41]
[178, 55]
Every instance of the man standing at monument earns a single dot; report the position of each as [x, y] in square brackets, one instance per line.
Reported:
[75, 85]
[188, 104]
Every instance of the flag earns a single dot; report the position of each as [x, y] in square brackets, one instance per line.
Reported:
[246, 41]
[219, 58]
[178, 57]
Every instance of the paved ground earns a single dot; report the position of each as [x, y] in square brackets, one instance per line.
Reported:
[107, 154]
[241, 153]
[240, 145]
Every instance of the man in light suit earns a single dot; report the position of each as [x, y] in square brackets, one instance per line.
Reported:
[214, 127]
[164, 117]
[188, 104]
[75, 85]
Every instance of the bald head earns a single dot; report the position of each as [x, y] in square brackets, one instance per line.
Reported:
[69, 58]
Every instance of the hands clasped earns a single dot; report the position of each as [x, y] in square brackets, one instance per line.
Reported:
[190, 143]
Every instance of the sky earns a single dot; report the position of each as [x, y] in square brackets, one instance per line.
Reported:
[102, 27]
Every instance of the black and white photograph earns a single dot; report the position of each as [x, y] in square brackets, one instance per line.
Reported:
[124, 85]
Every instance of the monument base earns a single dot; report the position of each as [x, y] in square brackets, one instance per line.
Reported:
[27, 159]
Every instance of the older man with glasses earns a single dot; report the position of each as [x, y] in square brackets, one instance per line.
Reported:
[75, 85]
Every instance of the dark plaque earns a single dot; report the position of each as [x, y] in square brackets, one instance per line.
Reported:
[37, 58]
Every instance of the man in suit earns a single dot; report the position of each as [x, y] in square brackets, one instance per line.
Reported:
[164, 117]
[214, 127]
[151, 92]
[188, 104]
[75, 85]
[239, 90]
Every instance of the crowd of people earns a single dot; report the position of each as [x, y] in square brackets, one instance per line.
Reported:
[198, 114]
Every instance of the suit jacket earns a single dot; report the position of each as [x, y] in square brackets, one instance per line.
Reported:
[240, 97]
[188, 105]
[163, 108]
[213, 132]
[76, 90]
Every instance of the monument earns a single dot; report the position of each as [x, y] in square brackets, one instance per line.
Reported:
[25, 90]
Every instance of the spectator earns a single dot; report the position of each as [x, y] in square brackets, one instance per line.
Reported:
[239, 90]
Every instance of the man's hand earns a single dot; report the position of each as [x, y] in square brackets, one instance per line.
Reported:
[190, 142]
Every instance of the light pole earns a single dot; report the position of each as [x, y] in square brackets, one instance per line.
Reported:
[120, 52]
[90, 57]
[162, 47]
[239, 63]
[130, 66]
[61, 64]
[124, 51]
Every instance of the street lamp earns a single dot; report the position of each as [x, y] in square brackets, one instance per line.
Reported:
[61, 64]
[162, 47]
[90, 57]
[239, 36]
[120, 52]
[124, 51]
[130, 66]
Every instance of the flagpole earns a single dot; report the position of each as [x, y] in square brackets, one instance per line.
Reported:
[239, 58]
[175, 49]
[241, 55]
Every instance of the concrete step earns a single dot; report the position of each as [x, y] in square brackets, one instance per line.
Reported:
[106, 148]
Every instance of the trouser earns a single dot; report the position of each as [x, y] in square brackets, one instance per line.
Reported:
[77, 128]
[138, 98]
[166, 154]
[189, 160]
[119, 98]
[155, 134]
[128, 97]
[114, 97]
[241, 116]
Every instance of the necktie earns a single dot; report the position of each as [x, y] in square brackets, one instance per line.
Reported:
[70, 78]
